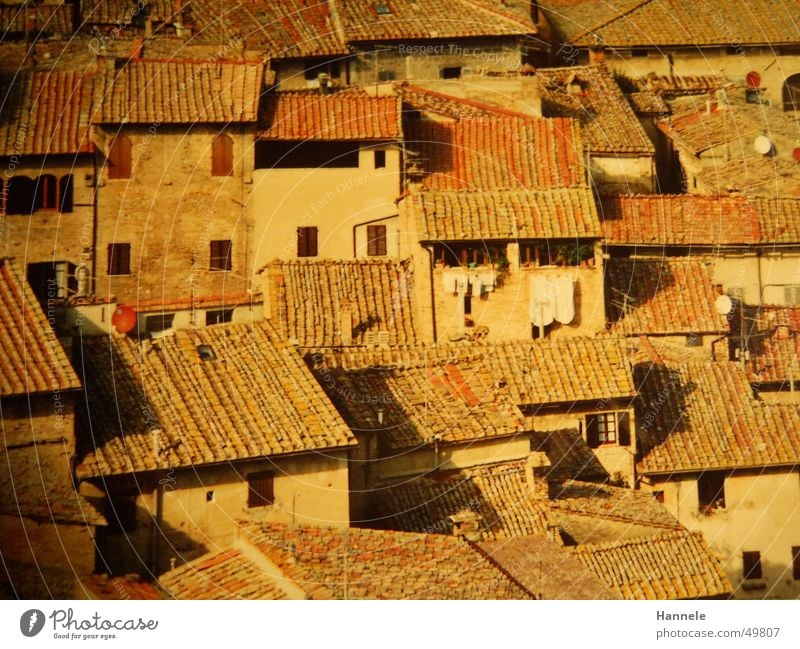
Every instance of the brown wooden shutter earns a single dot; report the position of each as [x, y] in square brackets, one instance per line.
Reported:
[119, 158]
[222, 156]
[261, 489]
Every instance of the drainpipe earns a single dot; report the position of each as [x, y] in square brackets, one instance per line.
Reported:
[432, 291]
[156, 528]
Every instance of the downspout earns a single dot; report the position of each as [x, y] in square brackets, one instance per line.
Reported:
[95, 219]
[156, 529]
[432, 292]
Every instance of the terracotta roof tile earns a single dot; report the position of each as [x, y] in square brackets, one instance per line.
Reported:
[54, 18]
[182, 92]
[124, 12]
[229, 300]
[433, 19]
[569, 454]
[419, 98]
[376, 564]
[348, 115]
[106, 587]
[310, 299]
[158, 405]
[627, 23]
[560, 213]
[591, 96]
[671, 86]
[498, 493]
[497, 153]
[47, 113]
[647, 102]
[779, 219]
[698, 416]
[676, 565]
[33, 359]
[670, 295]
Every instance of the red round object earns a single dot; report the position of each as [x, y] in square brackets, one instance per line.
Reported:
[124, 319]
[796, 154]
[753, 79]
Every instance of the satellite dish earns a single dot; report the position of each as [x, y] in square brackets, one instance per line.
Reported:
[753, 79]
[762, 144]
[723, 304]
[124, 319]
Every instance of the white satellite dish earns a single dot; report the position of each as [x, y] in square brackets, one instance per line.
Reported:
[762, 144]
[723, 304]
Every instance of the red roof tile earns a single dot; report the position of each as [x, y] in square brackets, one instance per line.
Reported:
[33, 359]
[55, 18]
[182, 92]
[669, 295]
[106, 587]
[348, 115]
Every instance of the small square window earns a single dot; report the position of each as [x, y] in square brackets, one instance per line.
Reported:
[380, 159]
[601, 429]
[206, 353]
[307, 242]
[119, 259]
[711, 490]
[220, 255]
[218, 316]
[260, 489]
[209, 496]
[376, 240]
[658, 496]
[751, 565]
[450, 73]
[160, 322]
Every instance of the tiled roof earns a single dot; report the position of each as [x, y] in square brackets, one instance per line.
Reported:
[547, 570]
[499, 494]
[418, 98]
[106, 587]
[376, 564]
[33, 359]
[559, 213]
[349, 115]
[433, 19]
[419, 404]
[280, 28]
[36, 482]
[647, 103]
[309, 297]
[681, 220]
[569, 454]
[627, 23]
[669, 295]
[125, 12]
[497, 153]
[779, 218]
[591, 96]
[699, 416]
[774, 359]
[229, 300]
[227, 574]
[670, 86]
[46, 113]
[158, 405]
[754, 175]
[55, 18]
[527, 373]
[676, 565]
[182, 92]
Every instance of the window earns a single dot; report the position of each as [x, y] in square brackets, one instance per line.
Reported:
[791, 93]
[464, 254]
[711, 490]
[658, 496]
[206, 353]
[751, 565]
[65, 193]
[380, 159]
[222, 156]
[160, 322]
[119, 158]
[376, 240]
[450, 73]
[50, 280]
[120, 512]
[307, 242]
[556, 253]
[46, 193]
[119, 259]
[639, 52]
[312, 68]
[796, 563]
[20, 195]
[218, 316]
[601, 429]
[292, 154]
[260, 489]
[220, 255]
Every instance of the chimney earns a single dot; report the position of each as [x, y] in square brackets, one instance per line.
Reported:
[537, 468]
[466, 524]
[782, 332]
[346, 323]
[597, 55]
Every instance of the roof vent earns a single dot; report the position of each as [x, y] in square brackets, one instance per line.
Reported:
[382, 9]
[206, 353]
[466, 524]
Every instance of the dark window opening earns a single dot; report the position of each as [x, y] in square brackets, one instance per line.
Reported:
[119, 259]
[52, 280]
[218, 316]
[119, 158]
[465, 254]
[160, 322]
[209, 496]
[639, 52]
[120, 512]
[312, 68]
[751, 565]
[450, 73]
[733, 50]
[206, 353]
[46, 193]
[222, 156]
[20, 195]
[65, 192]
[791, 93]
[380, 159]
[796, 563]
[658, 496]
[220, 255]
[555, 253]
[376, 240]
[291, 154]
[307, 242]
[601, 429]
[711, 490]
[260, 489]
[467, 304]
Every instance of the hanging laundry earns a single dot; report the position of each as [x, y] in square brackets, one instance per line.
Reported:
[488, 279]
[542, 301]
[565, 299]
[477, 285]
[449, 280]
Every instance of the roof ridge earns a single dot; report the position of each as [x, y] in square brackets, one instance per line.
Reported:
[621, 14]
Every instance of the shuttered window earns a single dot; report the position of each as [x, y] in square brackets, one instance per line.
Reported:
[260, 489]
[222, 156]
[376, 240]
[119, 259]
[307, 242]
[751, 565]
[119, 158]
[220, 255]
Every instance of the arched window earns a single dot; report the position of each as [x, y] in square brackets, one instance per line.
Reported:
[20, 195]
[222, 156]
[119, 158]
[791, 93]
[46, 193]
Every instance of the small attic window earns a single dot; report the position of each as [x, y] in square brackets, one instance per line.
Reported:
[206, 353]
[382, 9]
